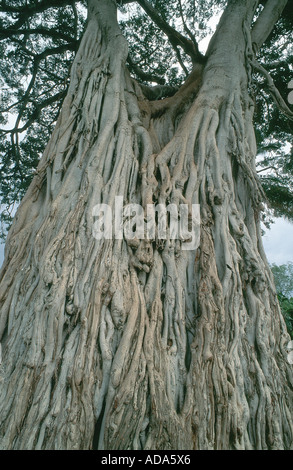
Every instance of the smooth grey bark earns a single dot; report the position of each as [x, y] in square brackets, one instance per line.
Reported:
[150, 346]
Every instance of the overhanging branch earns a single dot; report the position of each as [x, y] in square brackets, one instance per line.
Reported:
[25, 12]
[38, 7]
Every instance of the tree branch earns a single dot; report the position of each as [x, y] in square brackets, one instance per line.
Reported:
[35, 114]
[144, 76]
[186, 29]
[271, 167]
[176, 49]
[35, 8]
[158, 92]
[6, 33]
[72, 46]
[273, 90]
[175, 38]
[266, 21]
[75, 14]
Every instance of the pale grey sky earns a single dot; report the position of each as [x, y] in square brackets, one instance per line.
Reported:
[278, 242]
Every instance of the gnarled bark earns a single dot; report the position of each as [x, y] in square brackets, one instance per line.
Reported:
[107, 345]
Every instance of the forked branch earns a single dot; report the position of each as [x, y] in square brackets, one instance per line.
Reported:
[176, 39]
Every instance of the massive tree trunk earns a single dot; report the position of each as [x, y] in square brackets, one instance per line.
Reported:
[113, 345]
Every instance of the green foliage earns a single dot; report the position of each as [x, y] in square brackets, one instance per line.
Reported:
[273, 129]
[287, 310]
[283, 275]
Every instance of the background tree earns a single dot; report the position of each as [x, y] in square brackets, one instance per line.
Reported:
[286, 304]
[118, 344]
[283, 275]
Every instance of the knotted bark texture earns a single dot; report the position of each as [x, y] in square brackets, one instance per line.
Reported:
[113, 345]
